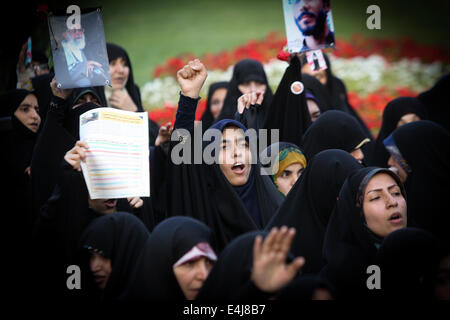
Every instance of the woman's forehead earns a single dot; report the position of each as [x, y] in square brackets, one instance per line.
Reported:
[232, 133]
[380, 181]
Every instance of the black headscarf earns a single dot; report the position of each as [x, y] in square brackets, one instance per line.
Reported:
[244, 71]
[309, 204]
[115, 52]
[154, 279]
[333, 130]
[349, 245]
[59, 226]
[202, 191]
[43, 91]
[425, 146]
[303, 287]
[207, 118]
[120, 237]
[408, 260]
[288, 112]
[436, 102]
[59, 134]
[392, 114]
[17, 145]
[229, 279]
[319, 91]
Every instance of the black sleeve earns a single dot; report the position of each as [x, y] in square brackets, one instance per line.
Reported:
[185, 117]
[249, 291]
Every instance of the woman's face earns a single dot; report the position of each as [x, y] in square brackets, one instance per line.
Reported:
[85, 98]
[384, 206]
[407, 118]
[313, 108]
[252, 86]
[217, 99]
[191, 275]
[119, 71]
[28, 113]
[288, 177]
[397, 169]
[234, 156]
[103, 206]
[101, 269]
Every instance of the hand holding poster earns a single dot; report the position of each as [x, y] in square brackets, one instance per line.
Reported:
[117, 161]
[309, 25]
[79, 51]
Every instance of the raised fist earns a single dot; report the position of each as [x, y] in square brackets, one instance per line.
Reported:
[191, 78]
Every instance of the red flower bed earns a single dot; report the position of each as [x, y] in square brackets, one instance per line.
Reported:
[370, 107]
[268, 48]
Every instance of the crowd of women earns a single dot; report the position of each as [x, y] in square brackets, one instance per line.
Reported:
[341, 215]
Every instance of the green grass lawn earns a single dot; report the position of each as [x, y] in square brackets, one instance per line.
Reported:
[152, 31]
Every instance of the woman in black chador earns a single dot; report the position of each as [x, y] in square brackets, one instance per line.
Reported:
[371, 205]
[308, 206]
[231, 197]
[248, 76]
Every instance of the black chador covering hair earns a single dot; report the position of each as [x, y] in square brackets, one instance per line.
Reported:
[244, 71]
[202, 191]
[392, 114]
[115, 52]
[59, 226]
[229, 279]
[120, 237]
[288, 112]
[425, 146]
[333, 130]
[207, 117]
[17, 145]
[58, 135]
[435, 101]
[349, 245]
[309, 204]
[408, 259]
[154, 278]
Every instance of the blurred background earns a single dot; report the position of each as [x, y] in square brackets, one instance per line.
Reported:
[154, 32]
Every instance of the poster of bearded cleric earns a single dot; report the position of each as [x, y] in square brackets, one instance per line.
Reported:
[309, 25]
[79, 49]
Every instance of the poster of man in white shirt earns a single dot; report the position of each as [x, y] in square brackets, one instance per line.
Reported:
[79, 51]
[309, 24]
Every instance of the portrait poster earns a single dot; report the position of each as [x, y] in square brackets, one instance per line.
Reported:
[79, 50]
[316, 60]
[309, 25]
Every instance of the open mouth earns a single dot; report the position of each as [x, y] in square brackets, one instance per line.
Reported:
[396, 218]
[238, 168]
[99, 279]
[110, 203]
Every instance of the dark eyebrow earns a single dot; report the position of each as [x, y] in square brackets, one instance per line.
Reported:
[378, 190]
[225, 141]
[25, 105]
